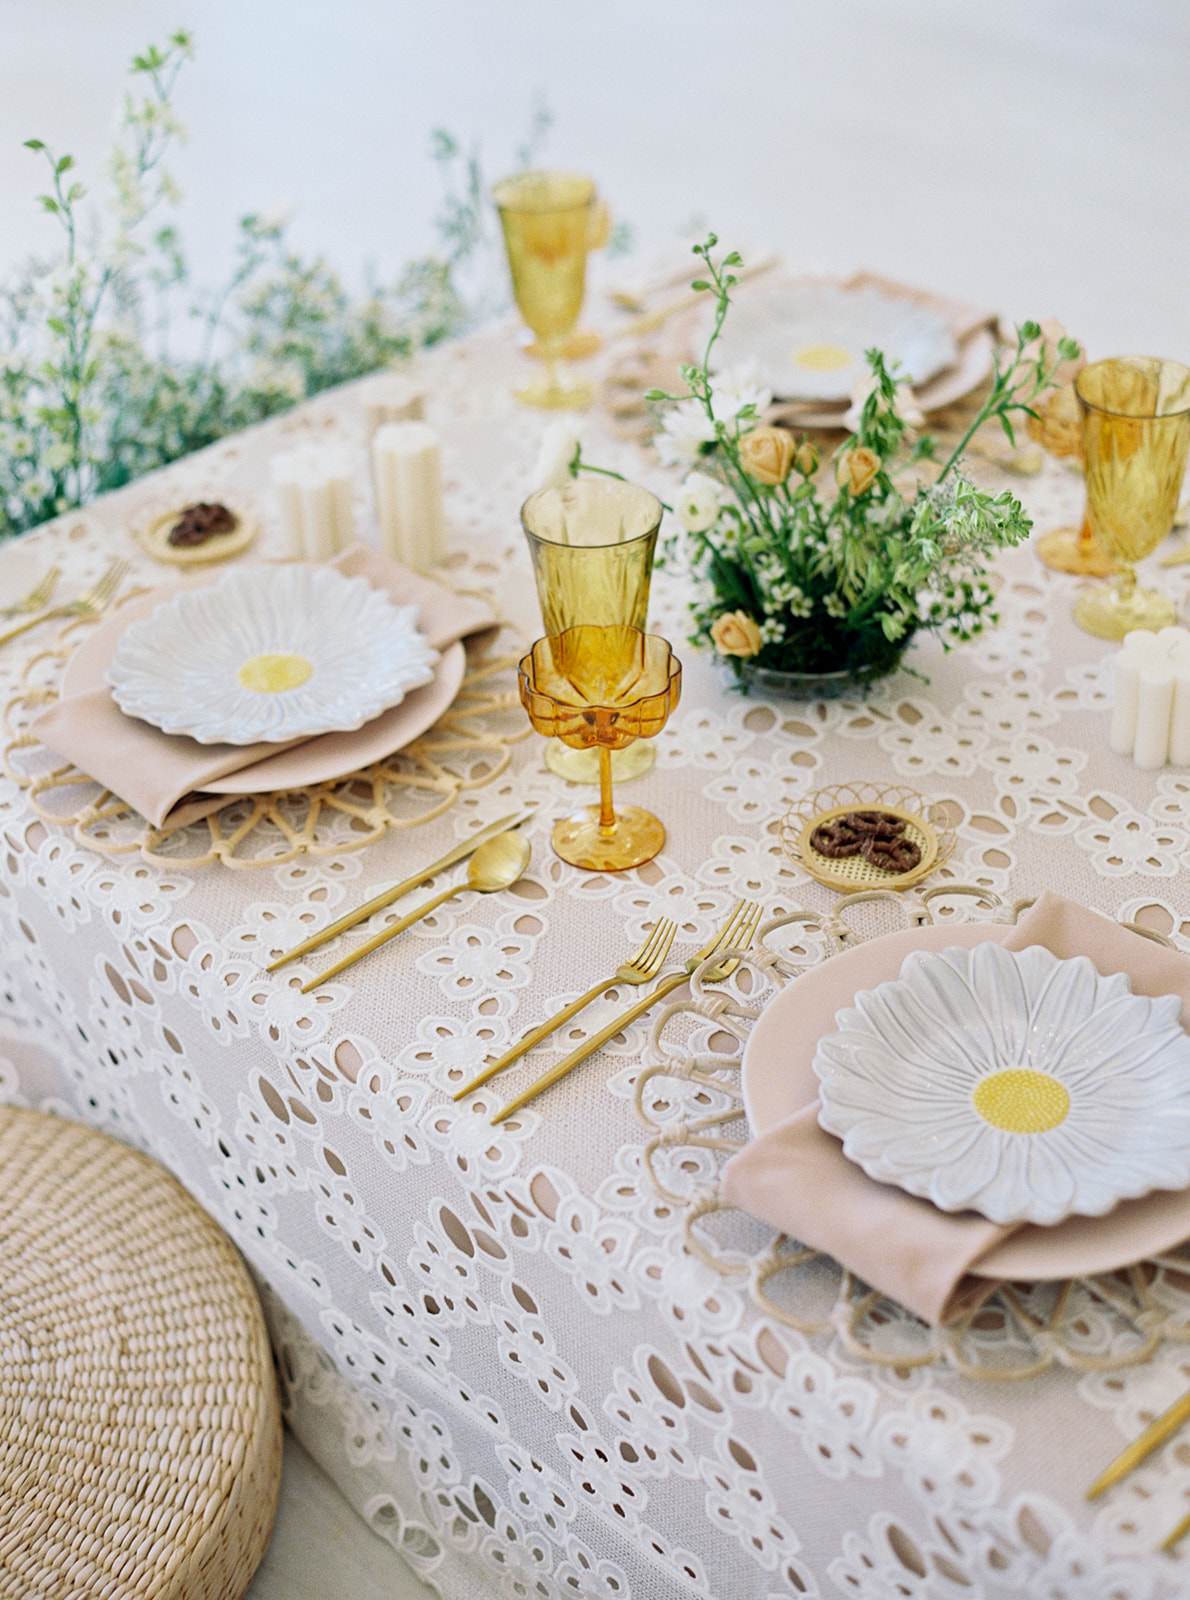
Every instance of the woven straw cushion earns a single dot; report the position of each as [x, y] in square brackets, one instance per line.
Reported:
[140, 1430]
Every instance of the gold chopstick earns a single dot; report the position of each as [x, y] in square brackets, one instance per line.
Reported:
[387, 896]
[1156, 1433]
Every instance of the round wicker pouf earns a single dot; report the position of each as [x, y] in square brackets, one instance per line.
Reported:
[140, 1424]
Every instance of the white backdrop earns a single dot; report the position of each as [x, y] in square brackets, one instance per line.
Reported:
[1033, 155]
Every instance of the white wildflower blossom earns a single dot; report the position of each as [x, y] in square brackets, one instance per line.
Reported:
[559, 445]
[698, 501]
[739, 389]
[36, 488]
[684, 434]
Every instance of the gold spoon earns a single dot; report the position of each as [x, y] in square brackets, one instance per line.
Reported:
[497, 864]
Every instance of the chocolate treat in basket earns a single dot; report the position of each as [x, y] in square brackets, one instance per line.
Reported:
[200, 522]
[879, 836]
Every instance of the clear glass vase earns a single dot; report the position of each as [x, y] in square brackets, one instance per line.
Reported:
[855, 682]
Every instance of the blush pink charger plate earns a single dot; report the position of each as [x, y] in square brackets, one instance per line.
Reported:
[778, 1078]
[318, 760]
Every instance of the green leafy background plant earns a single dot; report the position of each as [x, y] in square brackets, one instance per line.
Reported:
[93, 389]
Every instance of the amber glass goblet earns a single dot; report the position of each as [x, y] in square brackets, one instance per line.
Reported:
[1057, 427]
[602, 688]
[585, 342]
[592, 543]
[546, 219]
[1136, 434]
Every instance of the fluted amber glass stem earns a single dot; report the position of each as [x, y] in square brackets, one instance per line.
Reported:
[607, 817]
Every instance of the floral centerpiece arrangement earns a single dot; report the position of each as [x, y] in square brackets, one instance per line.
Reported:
[792, 576]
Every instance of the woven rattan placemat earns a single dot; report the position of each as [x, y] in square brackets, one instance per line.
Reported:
[140, 1430]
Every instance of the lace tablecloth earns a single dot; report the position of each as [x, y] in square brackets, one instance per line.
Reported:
[541, 1358]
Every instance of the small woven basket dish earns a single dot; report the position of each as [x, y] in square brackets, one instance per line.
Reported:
[926, 825]
[151, 530]
[140, 1423]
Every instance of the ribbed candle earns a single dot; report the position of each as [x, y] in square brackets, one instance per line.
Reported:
[313, 484]
[1151, 698]
[407, 474]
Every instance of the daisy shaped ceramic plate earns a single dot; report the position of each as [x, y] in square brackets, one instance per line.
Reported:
[1010, 1083]
[807, 341]
[270, 654]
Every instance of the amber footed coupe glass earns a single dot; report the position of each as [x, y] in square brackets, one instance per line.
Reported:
[602, 688]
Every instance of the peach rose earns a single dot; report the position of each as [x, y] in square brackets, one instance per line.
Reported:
[856, 468]
[735, 634]
[766, 454]
[805, 458]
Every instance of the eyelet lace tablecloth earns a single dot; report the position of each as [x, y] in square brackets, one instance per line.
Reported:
[540, 1358]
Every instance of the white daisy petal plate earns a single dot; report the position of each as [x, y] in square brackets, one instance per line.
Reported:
[270, 654]
[808, 340]
[1010, 1083]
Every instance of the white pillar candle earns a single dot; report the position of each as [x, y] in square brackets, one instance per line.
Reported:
[1154, 710]
[1179, 732]
[1126, 688]
[407, 474]
[392, 397]
[314, 492]
[1151, 705]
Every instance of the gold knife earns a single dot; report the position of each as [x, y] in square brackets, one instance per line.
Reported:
[459, 853]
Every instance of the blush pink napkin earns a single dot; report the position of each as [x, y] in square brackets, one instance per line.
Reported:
[796, 1177]
[163, 774]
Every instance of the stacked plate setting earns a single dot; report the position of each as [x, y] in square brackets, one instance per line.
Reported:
[806, 341]
[270, 654]
[1011, 1083]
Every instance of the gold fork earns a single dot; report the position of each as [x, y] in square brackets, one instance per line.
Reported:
[38, 596]
[736, 933]
[90, 603]
[639, 968]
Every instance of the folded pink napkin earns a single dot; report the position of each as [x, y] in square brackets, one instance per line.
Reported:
[163, 774]
[796, 1177]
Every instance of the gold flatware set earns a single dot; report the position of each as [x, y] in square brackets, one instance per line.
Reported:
[91, 603]
[503, 853]
[642, 967]
[499, 855]
[1139, 1450]
[735, 935]
[39, 595]
[386, 897]
[497, 864]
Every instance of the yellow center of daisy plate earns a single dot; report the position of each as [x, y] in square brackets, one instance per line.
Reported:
[823, 358]
[1020, 1100]
[273, 674]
